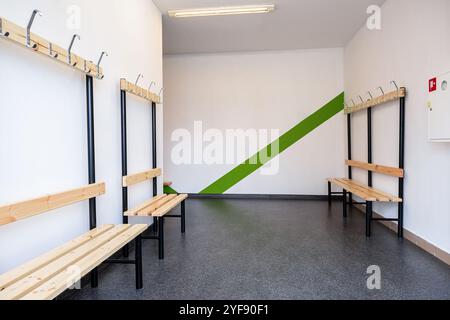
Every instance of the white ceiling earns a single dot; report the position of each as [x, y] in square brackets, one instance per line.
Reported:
[296, 24]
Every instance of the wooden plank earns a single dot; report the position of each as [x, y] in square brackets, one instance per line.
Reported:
[391, 96]
[140, 177]
[169, 206]
[364, 192]
[17, 35]
[134, 211]
[61, 281]
[351, 189]
[370, 192]
[390, 171]
[24, 270]
[25, 209]
[148, 211]
[138, 91]
[392, 198]
[37, 278]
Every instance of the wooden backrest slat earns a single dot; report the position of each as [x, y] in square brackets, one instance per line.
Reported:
[25, 209]
[140, 177]
[390, 171]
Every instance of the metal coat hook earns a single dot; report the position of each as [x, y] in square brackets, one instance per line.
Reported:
[353, 101]
[360, 98]
[69, 51]
[395, 84]
[138, 78]
[6, 34]
[381, 89]
[50, 49]
[151, 84]
[30, 23]
[370, 95]
[104, 53]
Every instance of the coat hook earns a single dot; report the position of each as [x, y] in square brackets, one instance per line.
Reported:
[85, 68]
[360, 98]
[50, 49]
[353, 101]
[160, 92]
[75, 36]
[138, 78]
[381, 89]
[6, 34]
[151, 84]
[104, 53]
[30, 23]
[395, 84]
[370, 94]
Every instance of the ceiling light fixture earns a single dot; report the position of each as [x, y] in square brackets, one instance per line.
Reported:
[221, 11]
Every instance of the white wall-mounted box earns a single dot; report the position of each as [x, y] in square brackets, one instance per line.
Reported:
[439, 109]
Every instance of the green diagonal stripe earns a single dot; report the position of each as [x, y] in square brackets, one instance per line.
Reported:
[285, 141]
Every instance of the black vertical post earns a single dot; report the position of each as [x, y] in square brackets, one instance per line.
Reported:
[344, 203]
[91, 161]
[369, 144]
[368, 218]
[329, 193]
[349, 148]
[402, 166]
[138, 262]
[161, 237]
[154, 159]
[183, 217]
[123, 118]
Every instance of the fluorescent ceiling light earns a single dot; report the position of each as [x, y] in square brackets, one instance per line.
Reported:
[221, 11]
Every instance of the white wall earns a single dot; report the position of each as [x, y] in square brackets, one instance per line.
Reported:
[412, 47]
[43, 116]
[257, 90]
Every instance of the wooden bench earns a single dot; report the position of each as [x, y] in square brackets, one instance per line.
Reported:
[52, 273]
[365, 192]
[158, 207]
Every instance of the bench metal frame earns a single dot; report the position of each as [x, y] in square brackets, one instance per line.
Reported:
[158, 222]
[92, 202]
[347, 196]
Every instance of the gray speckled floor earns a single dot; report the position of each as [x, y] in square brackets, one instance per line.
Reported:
[273, 249]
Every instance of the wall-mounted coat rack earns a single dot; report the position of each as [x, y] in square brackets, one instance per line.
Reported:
[367, 192]
[133, 88]
[25, 38]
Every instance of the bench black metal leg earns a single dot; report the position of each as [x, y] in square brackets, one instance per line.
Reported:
[161, 237]
[138, 262]
[155, 225]
[94, 278]
[400, 220]
[183, 217]
[329, 193]
[368, 218]
[344, 201]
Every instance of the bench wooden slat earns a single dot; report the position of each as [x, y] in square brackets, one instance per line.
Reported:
[391, 198]
[134, 211]
[380, 197]
[133, 179]
[390, 171]
[364, 192]
[351, 189]
[169, 205]
[25, 209]
[24, 270]
[35, 279]
[61, 281]
[158, 204]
